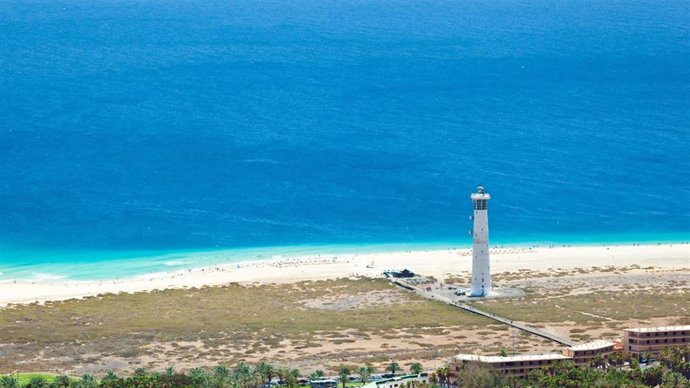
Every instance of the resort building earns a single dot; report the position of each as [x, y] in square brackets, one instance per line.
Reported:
[398, 381]
[636, 343]
[583, 353]
[653, 340]
[481, 274]
[515, 366]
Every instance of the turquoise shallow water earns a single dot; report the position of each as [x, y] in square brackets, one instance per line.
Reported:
[132, 130]
[65, 266]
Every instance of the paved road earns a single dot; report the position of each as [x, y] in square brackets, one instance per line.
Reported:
[466, 307]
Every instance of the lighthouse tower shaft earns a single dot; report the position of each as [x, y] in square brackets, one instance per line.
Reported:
[481, 275]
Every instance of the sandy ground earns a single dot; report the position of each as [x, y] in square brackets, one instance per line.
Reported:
[437, 263]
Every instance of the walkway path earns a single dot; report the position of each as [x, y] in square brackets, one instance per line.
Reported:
[533, 330]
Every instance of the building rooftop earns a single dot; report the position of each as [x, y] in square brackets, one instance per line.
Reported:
[658, 329]
[524, 357]
[599, 344]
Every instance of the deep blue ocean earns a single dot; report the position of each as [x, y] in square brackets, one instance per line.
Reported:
[133, 128]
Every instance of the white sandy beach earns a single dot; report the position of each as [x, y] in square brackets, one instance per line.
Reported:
[438, 263]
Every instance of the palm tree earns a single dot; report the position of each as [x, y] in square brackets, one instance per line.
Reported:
[646, 356]
[416, 368]
[536, 376]
[635, 372]
[221, 376]
[365, 372]
[200, 378]
[38, 382]
[674, 380]
[110, 376]
[475, 376]
[9, 382]
[288, 376]
[243, 375]
[344, 375]
[266, 371]
[393, 367]
[169, 371]
[598, 362]
[62, 381]
[282, 374]
[316, 375]
[443, 374]
[88, 381]
[615, 359]
[653, 376]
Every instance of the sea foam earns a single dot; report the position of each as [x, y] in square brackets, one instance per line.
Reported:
[39, 276]
[177, 263]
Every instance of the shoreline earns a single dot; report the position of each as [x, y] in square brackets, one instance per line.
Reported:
[289, 269]
[66, 265]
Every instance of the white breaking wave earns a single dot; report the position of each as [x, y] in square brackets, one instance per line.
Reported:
[175, 263]
[46, 276]
[152, 275]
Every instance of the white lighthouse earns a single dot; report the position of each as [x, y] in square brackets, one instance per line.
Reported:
[481, 275]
